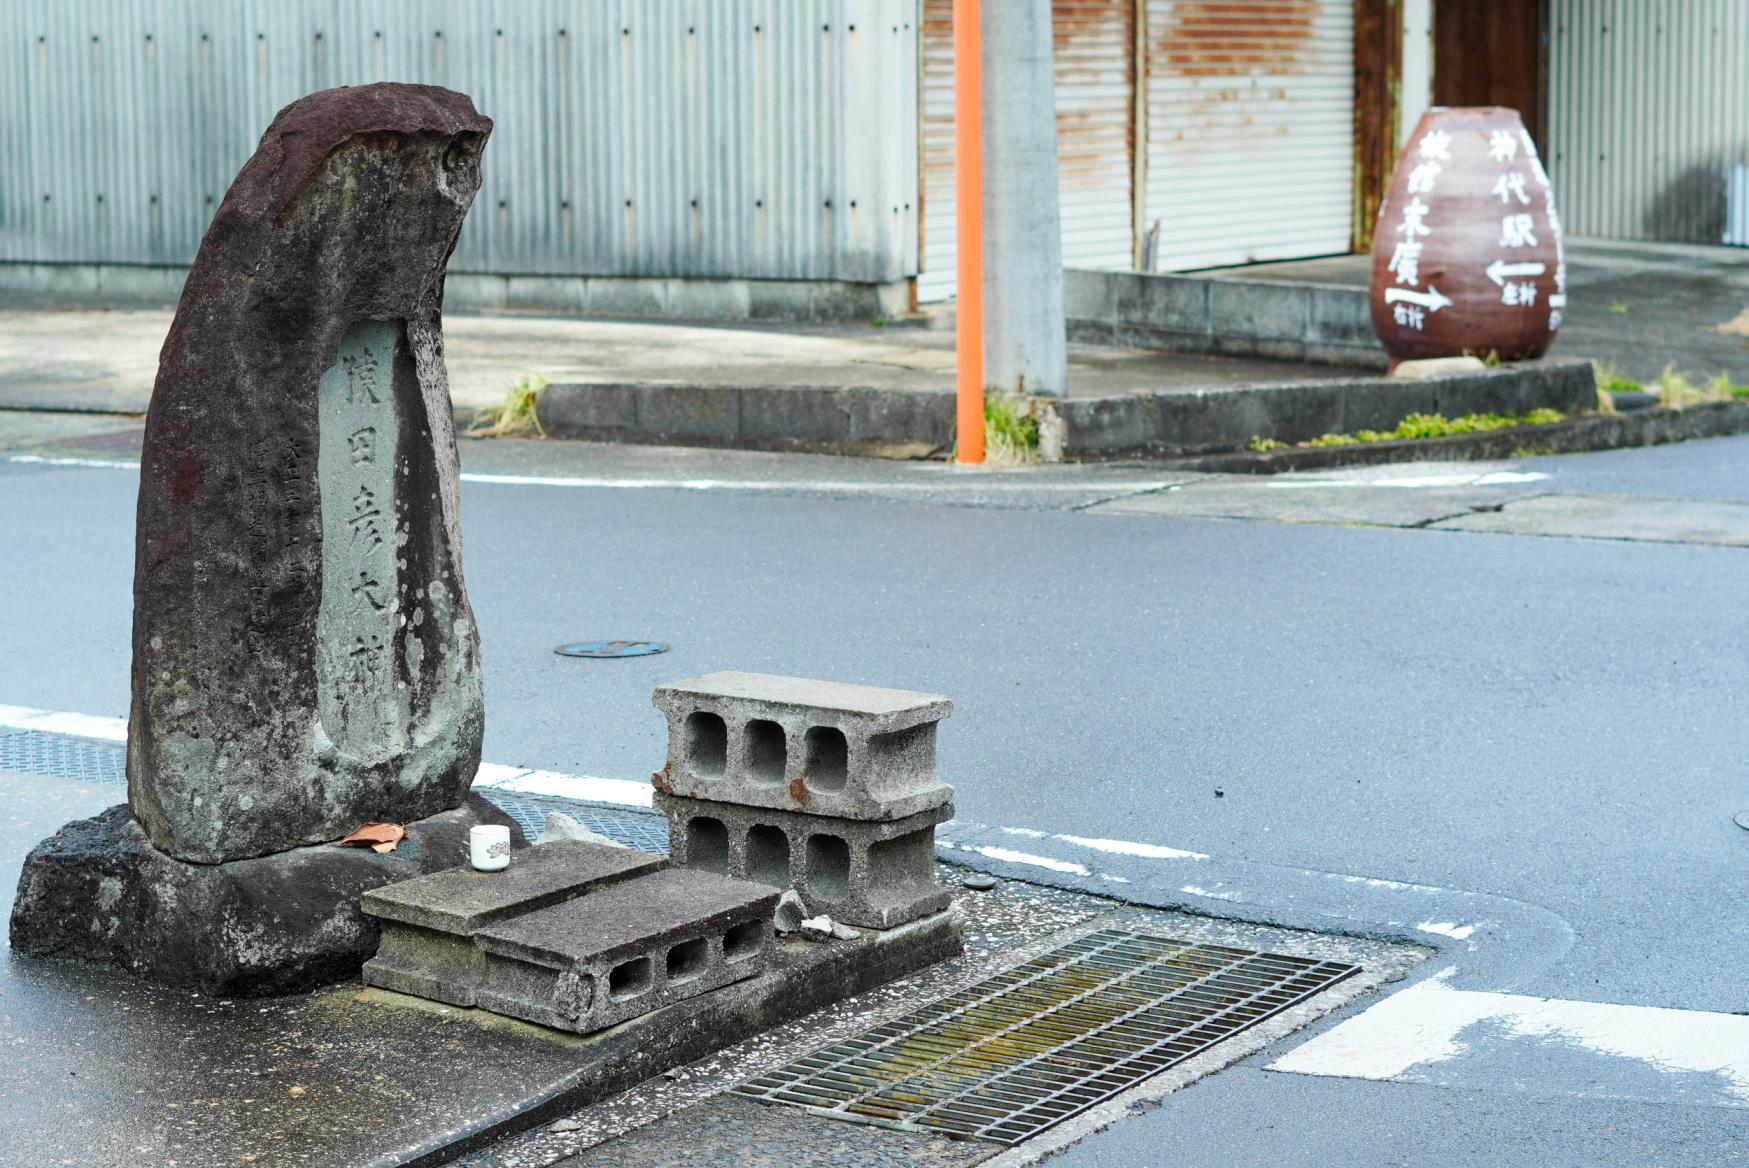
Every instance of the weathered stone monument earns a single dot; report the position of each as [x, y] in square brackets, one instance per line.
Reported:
[305, 658]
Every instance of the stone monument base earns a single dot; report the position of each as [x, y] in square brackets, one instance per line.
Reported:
[99, 891]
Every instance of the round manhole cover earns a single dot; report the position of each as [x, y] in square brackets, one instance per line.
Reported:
[611, 649]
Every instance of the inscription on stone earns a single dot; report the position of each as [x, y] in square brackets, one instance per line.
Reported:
[361, 602]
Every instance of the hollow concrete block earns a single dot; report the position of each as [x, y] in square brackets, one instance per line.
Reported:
[592, 962]
[794, 744]
[876, 874]
[428, 923]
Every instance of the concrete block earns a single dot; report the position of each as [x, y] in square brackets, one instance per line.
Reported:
[1272, 312]
[779, 300]
[702, 299]
[1379, 403]
[790, 743]
[428, 923]
[1340, 316]
[627, 296]
[1092, 296]
[1168, 304]
[623, 951]
[588, 411]
[697, 413]
[874, 874]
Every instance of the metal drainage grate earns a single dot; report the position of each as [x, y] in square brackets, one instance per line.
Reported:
[635, 829]
[38, 752]
[1009, 1057]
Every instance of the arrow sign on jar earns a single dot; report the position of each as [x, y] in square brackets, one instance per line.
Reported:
[1499, 270]
[1431, 300]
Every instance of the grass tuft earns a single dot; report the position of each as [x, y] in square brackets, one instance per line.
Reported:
[515, 414]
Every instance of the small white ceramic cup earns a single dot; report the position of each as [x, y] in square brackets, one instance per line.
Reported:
[489, 847]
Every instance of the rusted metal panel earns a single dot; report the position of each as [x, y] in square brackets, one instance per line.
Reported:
[732, 138]
[1648, 111]
[1094, 70]
[1250, 130]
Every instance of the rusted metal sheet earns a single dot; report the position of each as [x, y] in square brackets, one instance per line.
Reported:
[732, 138]
[1468, 253]
[1648, 111]
[1094, 70]
[1250, 130]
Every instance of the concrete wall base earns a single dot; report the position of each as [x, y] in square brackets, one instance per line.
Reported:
[139, 286]
[1326, 323]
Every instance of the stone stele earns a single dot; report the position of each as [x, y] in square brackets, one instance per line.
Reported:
[304, 655]
[305, 659]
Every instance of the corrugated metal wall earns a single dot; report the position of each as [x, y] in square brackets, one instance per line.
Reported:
[1648, 109]
[755, 138]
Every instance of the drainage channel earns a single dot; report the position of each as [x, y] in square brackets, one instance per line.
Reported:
[1019, 1052]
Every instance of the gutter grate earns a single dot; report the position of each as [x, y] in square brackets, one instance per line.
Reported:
[39, 752]
[1018, 1052]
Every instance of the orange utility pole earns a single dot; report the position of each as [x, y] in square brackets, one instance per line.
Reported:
[968, 150]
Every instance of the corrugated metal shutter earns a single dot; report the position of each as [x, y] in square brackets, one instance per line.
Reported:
[1648, 112]
[756, 138]
[1250, 114]
[1093, 51]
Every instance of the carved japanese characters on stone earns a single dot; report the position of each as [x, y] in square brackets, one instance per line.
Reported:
[304, 654]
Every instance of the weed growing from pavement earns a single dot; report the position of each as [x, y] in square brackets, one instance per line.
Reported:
[515, 414]
[1421, 426]
[1673, 387]
[1010, 431]
[1618, 308]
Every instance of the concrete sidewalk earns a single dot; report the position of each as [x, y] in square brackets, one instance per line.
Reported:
[1639, 306]
[106, 359]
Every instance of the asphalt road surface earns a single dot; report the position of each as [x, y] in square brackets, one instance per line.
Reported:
[1353, 676]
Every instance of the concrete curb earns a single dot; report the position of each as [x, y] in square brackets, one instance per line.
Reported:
[1208, 420]
[825, 419]
[1654, 427]
[893, 423]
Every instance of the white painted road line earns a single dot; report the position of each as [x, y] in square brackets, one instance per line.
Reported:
[948, 478]
[1431, 1033]
[511, 780]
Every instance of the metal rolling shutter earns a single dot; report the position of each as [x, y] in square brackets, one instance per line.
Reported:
[1250, 138]
[1094, 66]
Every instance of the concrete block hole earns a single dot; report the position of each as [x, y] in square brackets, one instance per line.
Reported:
[628, 979]
[828, 758]
[707, 844]
[707, 744]
[828, 867]
[687, 960]
[743, 941]
[768, 856]
[767, 752]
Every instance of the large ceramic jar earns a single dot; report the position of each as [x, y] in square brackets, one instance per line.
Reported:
[1466, 257]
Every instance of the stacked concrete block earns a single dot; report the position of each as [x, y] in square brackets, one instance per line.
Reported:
[619, 952]
[826, 788]
[429, 923]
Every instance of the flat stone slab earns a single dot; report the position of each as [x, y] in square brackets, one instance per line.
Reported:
[462, 900]
[628, 949]
[797, 744]
[428, 923]
[98, 890]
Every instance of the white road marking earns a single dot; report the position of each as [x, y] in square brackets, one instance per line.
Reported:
[1411, 482]
[1447, 929]
[1010, 856]
[1409, 1034]
[55, 722]
[948, 480]
[1130, 848]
